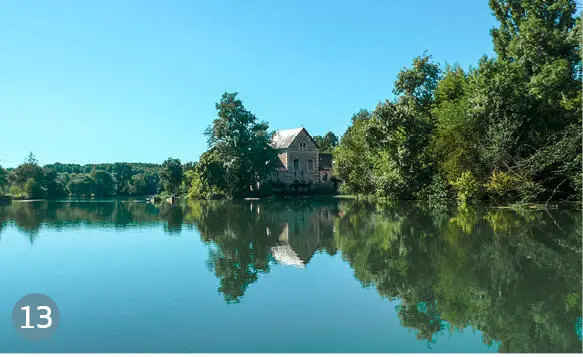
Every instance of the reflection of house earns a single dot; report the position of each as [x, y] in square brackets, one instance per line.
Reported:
[301, 235]
[300, 160]
[286, 256]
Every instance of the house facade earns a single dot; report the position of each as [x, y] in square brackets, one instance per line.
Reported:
[300, 162]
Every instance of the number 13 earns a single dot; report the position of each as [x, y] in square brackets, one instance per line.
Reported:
[46, 317]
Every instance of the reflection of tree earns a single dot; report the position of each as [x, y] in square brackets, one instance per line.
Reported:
[3, 215]
[241, 237]
[174, 217]
[513, 275]
[243, 233]
[30, 217]
[424, 317]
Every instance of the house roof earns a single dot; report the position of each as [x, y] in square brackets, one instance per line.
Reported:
[325, 161]
[286, 256]
[283, 138]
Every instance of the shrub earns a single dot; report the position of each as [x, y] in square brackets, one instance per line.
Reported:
[33, 189]
[200, 190]
[437, 193]
[468, 188]
[502, 186]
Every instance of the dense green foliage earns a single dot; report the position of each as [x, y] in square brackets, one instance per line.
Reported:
[239, 155]
[171, 176]
[3, 180]
[326, 143]
[30, 180]
[508, 130]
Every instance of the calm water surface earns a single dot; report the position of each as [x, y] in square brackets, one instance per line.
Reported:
[293, 276]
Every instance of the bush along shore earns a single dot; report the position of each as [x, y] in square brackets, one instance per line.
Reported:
[507, 130]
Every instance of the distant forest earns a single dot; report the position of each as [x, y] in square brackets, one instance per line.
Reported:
[30, 180]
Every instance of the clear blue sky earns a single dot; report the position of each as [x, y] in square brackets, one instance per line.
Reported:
[137, 80]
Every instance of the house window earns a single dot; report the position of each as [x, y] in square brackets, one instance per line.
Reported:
[325, 177]
[302, 145]
[310, 164]
[296, 164]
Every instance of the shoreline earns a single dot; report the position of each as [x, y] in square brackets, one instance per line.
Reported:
[552, 205]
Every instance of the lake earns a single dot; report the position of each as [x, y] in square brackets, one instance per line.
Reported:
[298, 275]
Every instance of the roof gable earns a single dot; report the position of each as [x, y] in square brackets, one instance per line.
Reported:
[282, 139]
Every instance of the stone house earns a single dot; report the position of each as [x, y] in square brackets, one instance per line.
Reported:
[300, 162]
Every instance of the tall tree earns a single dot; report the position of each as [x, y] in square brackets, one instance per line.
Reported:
[104, 185]
[55, 187]
[27, 180]
[171, 176]
[122, 174]
[418, 83]
[535, 33]
[326, 143]
[402, 130]
[3, 179]
[242, 144]
[81, 185]
[529, 99]
[31, 159]
[354, 157]
[395, 138]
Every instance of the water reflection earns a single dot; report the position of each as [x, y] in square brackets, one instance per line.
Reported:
[247, 237]
[513, 275]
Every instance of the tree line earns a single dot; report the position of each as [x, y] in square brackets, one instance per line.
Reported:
[213, 176]
[506, 130]
[32, 181]
[238, 159]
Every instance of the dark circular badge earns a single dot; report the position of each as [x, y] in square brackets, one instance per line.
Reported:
[35, 316]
